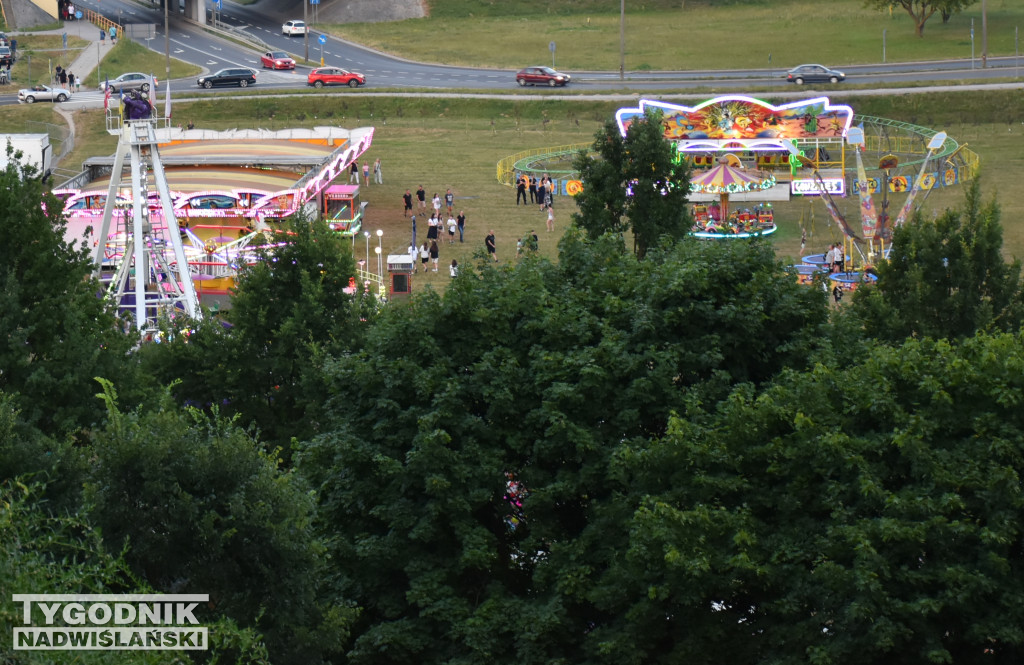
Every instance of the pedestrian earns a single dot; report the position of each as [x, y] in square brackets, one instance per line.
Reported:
[190, 125]
[532, 184]
[103, 35]
[414, 231]
[421, 196]
[548, 195]
[113, 35]
[551, 219]
[521, 189]
[78, 84]
[837, 293]
[435, 254]
[56, 74]
[532, 242]
[366, 172]
[63, 78]
[378, 175]
[451, 230]
[71, 82]
[489, 241]
[432, 224]
[453, 270]
[460, 221]
[424, 256]
[449, 200]
[436, 202]
[803, 241]
[354, 173]
[407, 200]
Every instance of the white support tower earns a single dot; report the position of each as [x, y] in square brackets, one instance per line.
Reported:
[148, 272]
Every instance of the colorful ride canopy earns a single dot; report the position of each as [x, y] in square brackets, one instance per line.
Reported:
[736, 121]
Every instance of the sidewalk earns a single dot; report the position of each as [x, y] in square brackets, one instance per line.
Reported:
[88, 58]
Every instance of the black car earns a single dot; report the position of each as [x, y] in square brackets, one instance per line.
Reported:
[239, 76]
[814, 74]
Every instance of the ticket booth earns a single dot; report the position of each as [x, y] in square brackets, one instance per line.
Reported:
[342, 209]
[400, 270]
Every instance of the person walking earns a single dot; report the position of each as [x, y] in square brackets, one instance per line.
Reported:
[436, 202]
[378, 175]
[71, 82]
[421, 196]
[451, 230]
[449, 200]
[551, 219]
[113, 35]
[453, 269]
[407, 200]
[435, 254]
[354, 173]
[432, 224]
[803, 241]
[460, 221]
[424, 256]
[490, 243]
[414, 231]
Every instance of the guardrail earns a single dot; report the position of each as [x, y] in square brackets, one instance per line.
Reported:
[506, 166]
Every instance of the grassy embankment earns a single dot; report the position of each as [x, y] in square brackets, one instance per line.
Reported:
[681, 34]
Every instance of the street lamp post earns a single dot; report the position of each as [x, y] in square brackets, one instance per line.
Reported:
[622, 39]
[367, 234]
[377, 252]
[167, 41]
[305, 25]
[380, 249]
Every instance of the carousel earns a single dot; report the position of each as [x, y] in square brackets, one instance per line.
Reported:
[717, 220]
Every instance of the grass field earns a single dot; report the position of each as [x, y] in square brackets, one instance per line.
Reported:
[674, 35]
[457, 143]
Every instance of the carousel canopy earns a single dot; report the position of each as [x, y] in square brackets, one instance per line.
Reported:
[725, 179]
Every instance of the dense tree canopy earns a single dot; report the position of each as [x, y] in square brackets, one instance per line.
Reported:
[539, 372]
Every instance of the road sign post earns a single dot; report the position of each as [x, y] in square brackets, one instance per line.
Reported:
[551, 47]
[322, 40]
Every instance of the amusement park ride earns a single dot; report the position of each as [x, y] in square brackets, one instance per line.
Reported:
[174, 214]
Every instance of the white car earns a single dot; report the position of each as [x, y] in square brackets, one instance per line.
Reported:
[43, 93]
[294, 28]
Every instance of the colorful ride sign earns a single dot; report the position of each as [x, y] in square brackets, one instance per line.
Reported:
[745, 121]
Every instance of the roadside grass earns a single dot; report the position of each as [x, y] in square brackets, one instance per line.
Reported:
[663, 35]
[129, 56]
[37, 56]
[443, 143]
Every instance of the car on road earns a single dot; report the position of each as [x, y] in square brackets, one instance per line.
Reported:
[814, 74]
[294, 28]
[43, 93]
[277, 60]
[129, 81]
[240, 76]
[335, 76]
[6, 56]
[541, 76]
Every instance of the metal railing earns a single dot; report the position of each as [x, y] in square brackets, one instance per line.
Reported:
[506, 166]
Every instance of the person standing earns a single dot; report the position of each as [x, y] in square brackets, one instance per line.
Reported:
[113, 35]
[407, 200]
[551, 219]
[451, 230]
[453, 270]
[421, 196]
[432, 227]
[424, 256]
[354, 173]
[449, 200]
[366, 172]
[460, 221]
[64, 78]
[533, 188]
[521, 190]
[435, 254]
[56, 74]
[803, 241]
[436, 201]
[378, 175]
[492, 249]
[414, 231]
[71, 82]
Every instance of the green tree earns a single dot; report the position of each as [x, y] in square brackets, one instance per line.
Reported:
[203, 510]
[634, 177]
[861, 516]
[55, 333]
[921, 10]
[539, 370]
[287, 309]
[945, 278]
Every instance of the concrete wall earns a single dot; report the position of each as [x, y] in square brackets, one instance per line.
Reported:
[48, 6]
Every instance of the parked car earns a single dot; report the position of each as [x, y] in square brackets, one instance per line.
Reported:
[814, 74]
[541, 76]
[277, 60]
[43, 93]
[129, 81]
[240, 76]
[6, 56]
[294, 28]
[335, 76]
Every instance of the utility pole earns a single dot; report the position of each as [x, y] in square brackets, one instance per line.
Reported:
[622, 39]
[167, 41]
[984, 34]
[305, 36]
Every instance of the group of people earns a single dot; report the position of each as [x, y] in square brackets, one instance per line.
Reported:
[541, 190]
[430, 252]
[835, 258]
[378, 174]
[66, 79]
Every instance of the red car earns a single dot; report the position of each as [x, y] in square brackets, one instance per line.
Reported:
[335, 76]
[277, 60]
[541, 76]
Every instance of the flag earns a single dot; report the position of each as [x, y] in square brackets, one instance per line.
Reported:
[106, 95]
[151, 98]
[167, 101]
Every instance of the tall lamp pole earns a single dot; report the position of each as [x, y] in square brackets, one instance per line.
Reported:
[167, 40]
[380, 250]
[984, 34]
[305, 24]
[622, 39]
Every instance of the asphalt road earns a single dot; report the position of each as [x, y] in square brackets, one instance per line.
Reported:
[191, 44]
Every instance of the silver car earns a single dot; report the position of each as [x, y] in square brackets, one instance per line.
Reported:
[130, 81]
[43, 93]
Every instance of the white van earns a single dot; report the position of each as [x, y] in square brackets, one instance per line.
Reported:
[294, 28]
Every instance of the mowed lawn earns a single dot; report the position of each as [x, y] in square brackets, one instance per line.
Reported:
[457, 144]
[682, 35]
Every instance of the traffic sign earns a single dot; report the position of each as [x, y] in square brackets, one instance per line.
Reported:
[314, 2]
[551, 47]
[322, 39]
[79, 14]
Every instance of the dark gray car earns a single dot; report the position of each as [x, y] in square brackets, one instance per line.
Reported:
[239, 76]
[814, 74]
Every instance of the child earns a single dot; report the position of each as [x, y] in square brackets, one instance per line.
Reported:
[454, 268]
